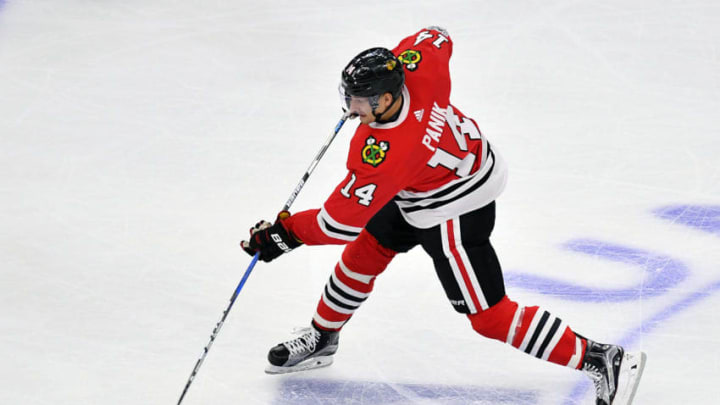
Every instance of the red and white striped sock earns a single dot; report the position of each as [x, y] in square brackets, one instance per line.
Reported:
[351, 282]
[531, 330]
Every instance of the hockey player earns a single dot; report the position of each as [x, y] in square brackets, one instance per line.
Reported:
[420, 172]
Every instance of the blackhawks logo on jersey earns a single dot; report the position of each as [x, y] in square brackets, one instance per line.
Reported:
[410, 58]
[374, 152]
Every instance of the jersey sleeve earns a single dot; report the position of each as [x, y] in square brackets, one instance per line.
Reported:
[377, 170]
[347, 210]
[426, 58]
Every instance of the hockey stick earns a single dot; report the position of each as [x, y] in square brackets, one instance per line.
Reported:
[286, 207]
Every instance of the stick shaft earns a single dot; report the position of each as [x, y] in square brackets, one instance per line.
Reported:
[218, 326]
[286, 207]
[314, 163]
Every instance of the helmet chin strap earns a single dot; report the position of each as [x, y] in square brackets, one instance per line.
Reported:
[375, 104]
[394, 116]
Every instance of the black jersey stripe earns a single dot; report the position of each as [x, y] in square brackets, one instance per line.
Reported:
[549, 337]
[447, 191]
[439, 193]
[333, 229]
[538, 329]
[459, 196]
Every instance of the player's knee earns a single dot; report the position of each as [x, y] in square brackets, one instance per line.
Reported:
[495, 321]
[365, 255]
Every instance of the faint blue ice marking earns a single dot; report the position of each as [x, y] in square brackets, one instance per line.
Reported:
[661, 273]
[630, 338]
[703, 217]
[326, 392]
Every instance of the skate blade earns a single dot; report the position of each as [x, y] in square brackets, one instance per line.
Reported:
[631, 371]
[309, 364]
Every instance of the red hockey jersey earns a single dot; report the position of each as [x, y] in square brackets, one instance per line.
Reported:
[433, 161]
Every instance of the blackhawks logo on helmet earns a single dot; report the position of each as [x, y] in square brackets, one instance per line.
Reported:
[410, 58]
[374, 152]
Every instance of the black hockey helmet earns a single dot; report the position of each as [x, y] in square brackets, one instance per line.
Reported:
[370, 74]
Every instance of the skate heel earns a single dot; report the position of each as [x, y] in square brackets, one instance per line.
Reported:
[631, 370]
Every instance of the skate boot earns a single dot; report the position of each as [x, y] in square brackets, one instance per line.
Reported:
[614, 372]
[313, 348]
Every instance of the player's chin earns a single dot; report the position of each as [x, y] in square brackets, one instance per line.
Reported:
[366, 118]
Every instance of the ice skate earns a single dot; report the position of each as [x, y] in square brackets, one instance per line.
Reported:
[614, 372]
[311, 349]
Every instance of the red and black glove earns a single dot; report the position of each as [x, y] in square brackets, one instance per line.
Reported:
[271, 240]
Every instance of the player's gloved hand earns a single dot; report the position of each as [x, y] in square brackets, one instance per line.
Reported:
[271, 240]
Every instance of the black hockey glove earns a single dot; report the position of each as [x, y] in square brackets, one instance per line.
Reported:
[271, 240]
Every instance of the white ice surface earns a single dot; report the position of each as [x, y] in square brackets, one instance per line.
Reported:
[140, 139]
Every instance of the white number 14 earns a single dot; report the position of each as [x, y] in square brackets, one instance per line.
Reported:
[364, 193]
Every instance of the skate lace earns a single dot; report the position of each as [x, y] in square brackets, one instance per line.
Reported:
[306, 342]
[597, 378]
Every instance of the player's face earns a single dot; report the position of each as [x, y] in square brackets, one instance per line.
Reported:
[361, 107]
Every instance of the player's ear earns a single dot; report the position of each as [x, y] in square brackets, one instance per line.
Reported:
[387, 99]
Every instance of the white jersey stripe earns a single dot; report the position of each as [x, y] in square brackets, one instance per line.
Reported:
[513, 325]
[468, 266]
[456, 270]
[323, 227]
[555, 339]
[531, 330]
[475, 177]
[330, 220]
[363, 278]
[327, 324]
[488, 192]
[425, 194]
